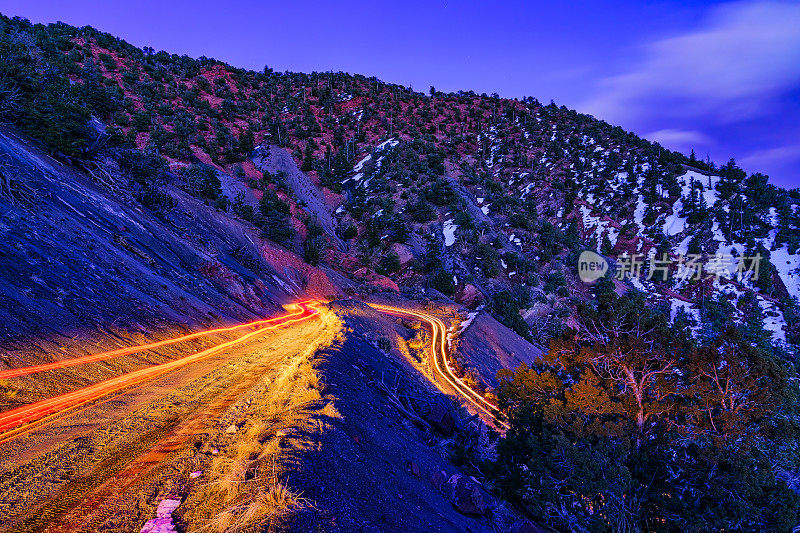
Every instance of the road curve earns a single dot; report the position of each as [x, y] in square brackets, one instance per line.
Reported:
[439, 356]
[65, 403]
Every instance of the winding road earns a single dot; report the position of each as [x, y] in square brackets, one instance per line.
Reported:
[45, 436]
[25, 418]
[439, 357]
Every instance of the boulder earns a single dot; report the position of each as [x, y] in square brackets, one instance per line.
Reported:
[437, 479]
[466, 496]
[440, 418]
[97, 132]
[162, 523]
[403, 253]
[166, 507]
[469, 295]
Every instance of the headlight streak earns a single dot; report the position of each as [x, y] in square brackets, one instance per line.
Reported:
[439, 356]
[102, 356]
[27, 418]
[54, 408]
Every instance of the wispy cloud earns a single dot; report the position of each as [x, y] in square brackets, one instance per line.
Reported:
[727, 87]
[742, 57]
[678, 139]
[780, 155]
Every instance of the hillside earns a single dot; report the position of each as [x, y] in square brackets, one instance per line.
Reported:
[146, 194]
[472, 195]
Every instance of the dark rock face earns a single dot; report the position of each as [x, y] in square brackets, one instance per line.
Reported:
[523, 526]
[372, 484]
[441, 419]
[465, 495]
[437, 479]
[105, 262]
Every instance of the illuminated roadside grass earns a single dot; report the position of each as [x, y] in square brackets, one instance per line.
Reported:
[248, 486]
[120, 472]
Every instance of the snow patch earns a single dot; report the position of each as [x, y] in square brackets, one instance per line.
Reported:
[162, 523]
[774, 322]
[449, 231]
[675, 223]
[466, 323]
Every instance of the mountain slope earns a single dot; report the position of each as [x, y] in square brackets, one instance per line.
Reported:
[401, 170]
[144, 192]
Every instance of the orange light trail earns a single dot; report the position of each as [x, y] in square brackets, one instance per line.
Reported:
[68, 401]
[439, 356]
[102, 356]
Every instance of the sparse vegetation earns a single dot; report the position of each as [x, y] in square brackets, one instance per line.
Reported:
[273, 217]
[203, 181]
[247, 485]
[670, 409]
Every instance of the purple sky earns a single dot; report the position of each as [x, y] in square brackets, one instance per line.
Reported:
[720, 77]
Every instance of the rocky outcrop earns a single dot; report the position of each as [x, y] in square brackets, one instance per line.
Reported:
[441, 419]
[469, 295]
[466, 495]
[276, 159]
[404, 253]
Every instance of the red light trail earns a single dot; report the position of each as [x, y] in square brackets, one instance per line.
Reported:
[68, 401]
[102, 356]
[439, 357]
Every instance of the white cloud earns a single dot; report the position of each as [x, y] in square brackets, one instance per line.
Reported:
[681, 140]
[730, 68]
[781, 155]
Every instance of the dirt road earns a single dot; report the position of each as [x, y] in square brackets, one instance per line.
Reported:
[441, 367]
[108, 464]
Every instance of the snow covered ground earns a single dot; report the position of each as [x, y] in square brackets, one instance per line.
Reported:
[359, 175]
[449, 231]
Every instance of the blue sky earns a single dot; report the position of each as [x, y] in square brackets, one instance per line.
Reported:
[720, 77]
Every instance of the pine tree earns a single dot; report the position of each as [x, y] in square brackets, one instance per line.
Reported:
[626, 424]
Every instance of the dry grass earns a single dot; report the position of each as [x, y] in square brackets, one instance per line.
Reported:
[416, 348]
[248, 488]
[419, 342]
[7, 390]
